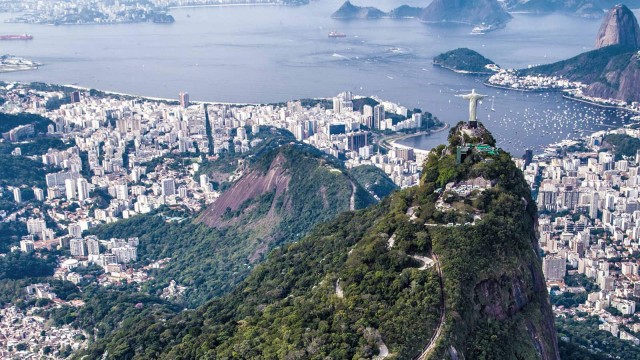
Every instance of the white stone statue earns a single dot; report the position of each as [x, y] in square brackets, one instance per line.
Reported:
[473, 98]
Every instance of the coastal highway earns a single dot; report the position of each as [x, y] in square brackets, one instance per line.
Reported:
[389, 142]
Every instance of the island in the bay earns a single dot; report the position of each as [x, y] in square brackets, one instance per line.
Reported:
[467, 61]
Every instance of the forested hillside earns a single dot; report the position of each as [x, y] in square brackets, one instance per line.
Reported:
[432, 271]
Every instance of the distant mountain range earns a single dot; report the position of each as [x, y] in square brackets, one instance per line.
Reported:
[492, 14]
[349, 11]
[473, 12]
[586, 8]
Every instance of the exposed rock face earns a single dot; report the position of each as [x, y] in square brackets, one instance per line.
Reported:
[475, 12]
[622, 84]
[250, 186]
[620, 27]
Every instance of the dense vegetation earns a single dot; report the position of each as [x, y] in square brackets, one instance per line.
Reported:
[38, 146]
[610, 72]
[211, 261]
[347, 288]
[623, 145]
[592, 344]
[587, 67]
[21, 170]
[19, 265]
[465, 60]
[107, 308]
[373, 180]
[9, 121]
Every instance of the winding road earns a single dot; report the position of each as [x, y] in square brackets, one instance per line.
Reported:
[352, 201]
[436, 336]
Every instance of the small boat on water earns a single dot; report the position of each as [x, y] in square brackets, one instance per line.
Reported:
[335, 34]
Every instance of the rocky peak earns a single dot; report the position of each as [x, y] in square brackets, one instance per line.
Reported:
[619, 27]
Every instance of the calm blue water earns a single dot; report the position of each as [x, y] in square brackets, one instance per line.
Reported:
[269, 54]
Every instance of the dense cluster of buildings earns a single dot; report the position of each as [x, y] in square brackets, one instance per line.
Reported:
[87, 12]
[592, 227]
[129, 156]
[509, 78]
[26, 335]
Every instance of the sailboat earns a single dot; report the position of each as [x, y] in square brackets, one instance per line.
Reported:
[493, 108]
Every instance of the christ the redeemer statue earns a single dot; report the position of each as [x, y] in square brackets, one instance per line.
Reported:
[473, 98]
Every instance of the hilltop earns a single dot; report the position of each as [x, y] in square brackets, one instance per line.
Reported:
[446, 269]
[285, 190]
[464, 60]
[474, 12]
[350, 11]
[619, 27]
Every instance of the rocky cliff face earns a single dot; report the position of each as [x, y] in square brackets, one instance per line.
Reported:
[619, 82]
[620, 27]
[475, 12]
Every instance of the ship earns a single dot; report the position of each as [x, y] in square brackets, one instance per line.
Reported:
[335, 34]
[481, 29]
[16, 37]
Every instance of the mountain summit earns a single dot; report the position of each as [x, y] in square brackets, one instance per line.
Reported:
[448, 269]
[619, 27]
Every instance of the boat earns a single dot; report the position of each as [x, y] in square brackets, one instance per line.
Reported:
[480, 30]
[335, 34]
[493, 99]
[16, 37]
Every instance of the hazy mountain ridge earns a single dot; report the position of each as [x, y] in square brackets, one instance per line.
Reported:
[584, 8]
[474, 12]
[362, 283]
[350, 11]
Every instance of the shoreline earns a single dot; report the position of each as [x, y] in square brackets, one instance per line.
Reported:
[220, 5]
[390, 142]
[595, 103]
[464, 72]
[151, 98]
[487, 84]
